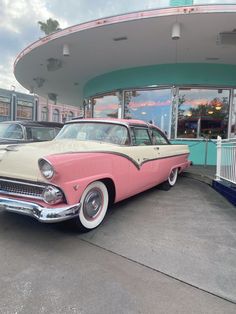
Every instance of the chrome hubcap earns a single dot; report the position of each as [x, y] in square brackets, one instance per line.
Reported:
[93, 203]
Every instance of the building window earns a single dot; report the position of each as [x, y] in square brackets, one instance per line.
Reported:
[106, 106]
[56, 115]
[203, 113]
[44, 114]
[151, 105]
[4, 109]
[70, 115]
[24, 110]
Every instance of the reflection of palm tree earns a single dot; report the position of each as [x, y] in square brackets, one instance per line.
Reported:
[211, 117]
[203, 110]
[181, 101]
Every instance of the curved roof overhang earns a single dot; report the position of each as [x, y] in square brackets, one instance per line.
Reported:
[127, 41]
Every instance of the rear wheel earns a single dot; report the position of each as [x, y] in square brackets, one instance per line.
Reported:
[94, 203]
[170, 181]
[173, 177]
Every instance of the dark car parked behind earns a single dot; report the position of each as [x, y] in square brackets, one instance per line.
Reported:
[13, 132]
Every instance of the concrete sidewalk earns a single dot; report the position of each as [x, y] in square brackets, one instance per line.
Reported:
[187, 233]
[167, 252]
[204, 174]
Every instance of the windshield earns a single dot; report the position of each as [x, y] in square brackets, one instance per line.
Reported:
[90, 131]
[11, 131]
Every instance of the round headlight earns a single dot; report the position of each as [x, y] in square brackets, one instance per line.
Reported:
[52, 195]
[46, 169]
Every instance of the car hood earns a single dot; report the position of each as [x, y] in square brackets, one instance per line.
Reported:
[21, 160]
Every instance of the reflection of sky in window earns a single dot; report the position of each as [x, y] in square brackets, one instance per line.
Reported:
[152, 105]
[197, 97]
[105, 105]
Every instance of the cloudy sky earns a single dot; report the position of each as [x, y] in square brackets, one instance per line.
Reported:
[19, 23]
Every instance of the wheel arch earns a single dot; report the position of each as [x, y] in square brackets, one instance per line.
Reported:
[110, 185]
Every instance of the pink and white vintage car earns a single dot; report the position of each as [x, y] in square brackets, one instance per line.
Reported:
[91, 164]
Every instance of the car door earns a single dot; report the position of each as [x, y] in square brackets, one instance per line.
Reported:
[163, 150]
[145, 153]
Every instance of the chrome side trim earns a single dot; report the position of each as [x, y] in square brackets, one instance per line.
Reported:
[42, 214]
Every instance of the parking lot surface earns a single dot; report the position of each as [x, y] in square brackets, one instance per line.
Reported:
[159, 252]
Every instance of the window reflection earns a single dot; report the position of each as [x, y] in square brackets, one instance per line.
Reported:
[203, 113]
[56, 115]
[4, 108]
[24, 110]
[106, 106]
[70, 115]
[44, 114]
[153, 105]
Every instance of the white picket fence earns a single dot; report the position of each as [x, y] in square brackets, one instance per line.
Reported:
[226, 160]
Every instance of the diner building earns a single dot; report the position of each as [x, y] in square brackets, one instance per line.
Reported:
[173, 66]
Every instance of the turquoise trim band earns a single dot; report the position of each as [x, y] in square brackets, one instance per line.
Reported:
[203, 74]
[179, 3]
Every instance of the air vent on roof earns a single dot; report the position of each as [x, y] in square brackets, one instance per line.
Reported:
[212, 58]
[120, 38]
[227, 38]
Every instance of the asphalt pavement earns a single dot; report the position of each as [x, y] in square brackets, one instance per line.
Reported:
[158, 252]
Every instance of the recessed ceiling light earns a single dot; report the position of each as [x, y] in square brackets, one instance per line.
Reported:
[52, 96]
[39, 81]
[53, 64]
[227, 38]
[120, 38]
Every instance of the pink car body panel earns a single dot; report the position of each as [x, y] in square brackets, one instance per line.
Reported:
[132, 166]
[79, 170]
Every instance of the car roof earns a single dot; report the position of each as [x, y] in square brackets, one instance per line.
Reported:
[34, 123]
[127, 122]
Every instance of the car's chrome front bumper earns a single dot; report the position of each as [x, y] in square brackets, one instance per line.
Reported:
[43, 214]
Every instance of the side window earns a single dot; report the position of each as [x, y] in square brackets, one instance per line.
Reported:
[140, 136]
[14, 131]
[158, 138]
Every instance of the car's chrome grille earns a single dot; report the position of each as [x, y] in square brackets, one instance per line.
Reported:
[19, 188]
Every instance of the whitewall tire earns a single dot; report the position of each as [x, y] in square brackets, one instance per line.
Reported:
[94, 204]
[173, 177]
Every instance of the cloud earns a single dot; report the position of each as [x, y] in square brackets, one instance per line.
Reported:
[18, 28]
[80, 11]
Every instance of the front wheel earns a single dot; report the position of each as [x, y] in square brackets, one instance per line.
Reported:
[94, 203]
